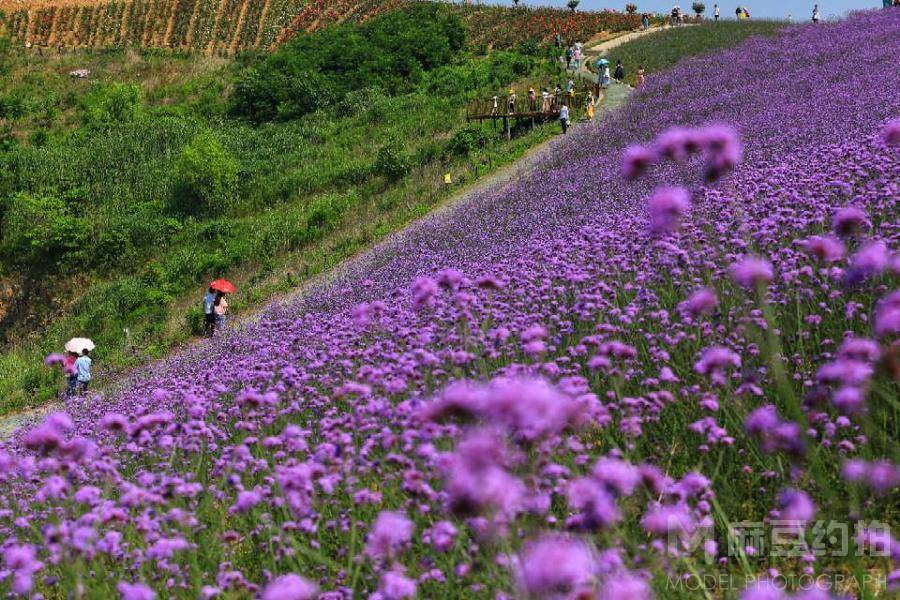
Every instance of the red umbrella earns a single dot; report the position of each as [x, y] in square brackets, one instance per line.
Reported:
[223, 285]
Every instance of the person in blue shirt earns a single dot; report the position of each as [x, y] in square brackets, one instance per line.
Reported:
[209, 315]
[564, 118]
[83, 370]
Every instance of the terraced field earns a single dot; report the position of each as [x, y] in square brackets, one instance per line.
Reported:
[209, 26]
[229, 26]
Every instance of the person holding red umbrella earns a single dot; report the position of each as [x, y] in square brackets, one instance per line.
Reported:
[215, 306]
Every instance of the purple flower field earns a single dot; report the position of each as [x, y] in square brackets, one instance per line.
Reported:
[577, 387]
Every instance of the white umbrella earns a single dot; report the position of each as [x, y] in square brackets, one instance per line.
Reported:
[79, 345]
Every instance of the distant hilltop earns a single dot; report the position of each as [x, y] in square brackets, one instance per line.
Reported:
[225, 27]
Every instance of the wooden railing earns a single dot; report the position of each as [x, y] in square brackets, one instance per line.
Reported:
[501, 107]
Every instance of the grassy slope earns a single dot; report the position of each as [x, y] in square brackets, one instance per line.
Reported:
[309, 184]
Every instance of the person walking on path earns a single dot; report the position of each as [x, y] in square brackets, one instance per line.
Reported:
[71, 373]
[83, 370]
[716, 12]
[619, 73]
[576, 55]
[645, 21]
[558, 41]
[220, 307]
[640, 76]
[815, 15]
[606, 78]
[564, 118]
[590, 106]
[568, 58]
[209, 317]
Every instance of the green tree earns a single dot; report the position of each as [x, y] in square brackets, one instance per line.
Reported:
[698, 8]
[205, 176]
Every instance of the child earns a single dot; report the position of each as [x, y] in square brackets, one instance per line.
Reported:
[71, 373]
[640, 75]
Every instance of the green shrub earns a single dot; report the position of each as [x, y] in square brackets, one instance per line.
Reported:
[325, 212]
[468, 140]
[357, 102]
[194, 320]
[111, 103]
[13, 106]
[205, 177]
[393, 161]
[41, 229]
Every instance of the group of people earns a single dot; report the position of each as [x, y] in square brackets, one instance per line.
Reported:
[573, 56]
[677, 16]
[605, 79]
[77, 368]
[77, 363]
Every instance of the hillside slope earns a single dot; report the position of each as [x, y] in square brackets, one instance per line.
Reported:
[557, 373]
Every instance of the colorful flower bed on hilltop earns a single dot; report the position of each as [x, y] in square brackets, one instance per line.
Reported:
[568, 388]
[507, 28]
[499, 27]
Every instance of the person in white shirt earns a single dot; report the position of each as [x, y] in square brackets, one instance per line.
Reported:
[716, 12]
[564, 118]
[815, 15]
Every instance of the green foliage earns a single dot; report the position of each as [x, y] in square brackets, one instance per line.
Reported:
[41, 228]
[112, 103]
[389, 53]
[392, 161]
[468, 140]
[698, 7]
[205, 177]
[357, 102]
